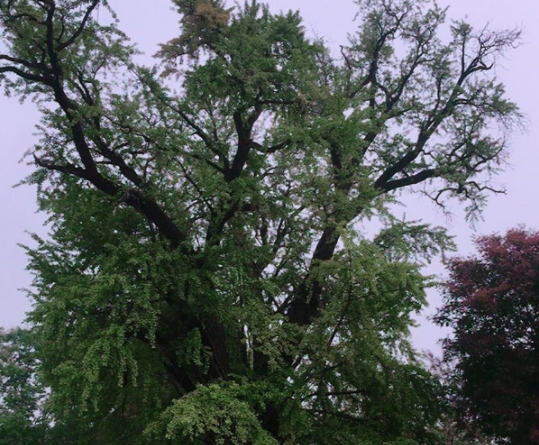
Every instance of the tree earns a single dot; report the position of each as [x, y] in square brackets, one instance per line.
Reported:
[25, 412]
[203, 280]
[491, 302]
[21, 395]
[449, 429]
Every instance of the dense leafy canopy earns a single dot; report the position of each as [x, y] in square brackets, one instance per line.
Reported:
[491, 302]
[204, 280]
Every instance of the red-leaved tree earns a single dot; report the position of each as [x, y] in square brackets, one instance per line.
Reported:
[492, 304]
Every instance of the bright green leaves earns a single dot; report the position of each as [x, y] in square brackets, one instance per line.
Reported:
[220, 412]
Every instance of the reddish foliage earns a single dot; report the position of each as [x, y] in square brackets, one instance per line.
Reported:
[492, 303]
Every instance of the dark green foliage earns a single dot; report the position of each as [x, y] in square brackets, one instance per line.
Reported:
[21, 395]
[204, 281]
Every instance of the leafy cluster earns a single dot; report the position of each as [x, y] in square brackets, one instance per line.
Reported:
[203, 280]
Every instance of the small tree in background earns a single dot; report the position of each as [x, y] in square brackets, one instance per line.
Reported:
[449, 429]
[492, 304]
[21, 394]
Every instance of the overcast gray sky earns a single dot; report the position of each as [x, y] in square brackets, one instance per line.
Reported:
[149, 23]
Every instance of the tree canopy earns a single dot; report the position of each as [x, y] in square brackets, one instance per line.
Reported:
[491, 302]
[204, 279]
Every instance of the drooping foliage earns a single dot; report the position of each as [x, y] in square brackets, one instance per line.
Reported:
[26, 414]
[492, 304]
[204, 280]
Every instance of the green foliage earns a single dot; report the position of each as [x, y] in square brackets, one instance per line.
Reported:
[223, 412]
[203, 280]
[21, 395]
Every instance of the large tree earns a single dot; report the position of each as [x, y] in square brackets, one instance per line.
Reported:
[203, 280]
[492, 304]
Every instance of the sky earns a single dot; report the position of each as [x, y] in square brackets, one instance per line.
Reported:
[150, 23]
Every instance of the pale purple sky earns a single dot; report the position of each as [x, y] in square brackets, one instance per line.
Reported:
[149, 23]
